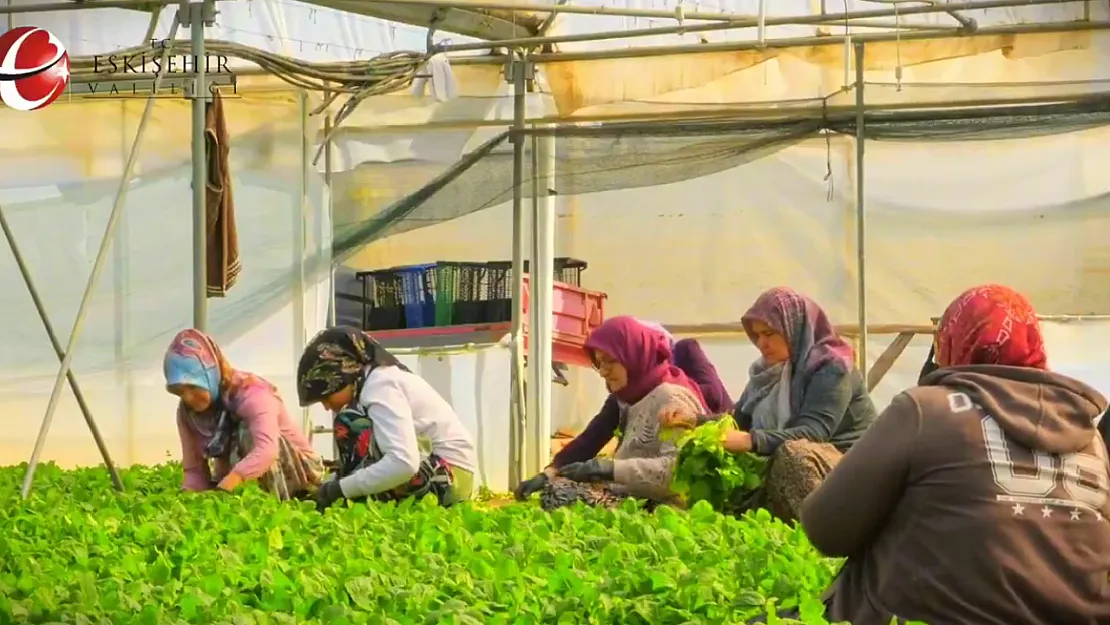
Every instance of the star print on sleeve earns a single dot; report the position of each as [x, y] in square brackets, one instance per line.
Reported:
[1019, 510]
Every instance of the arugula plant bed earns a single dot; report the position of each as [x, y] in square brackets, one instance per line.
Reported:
[705, 471]
[77, 552]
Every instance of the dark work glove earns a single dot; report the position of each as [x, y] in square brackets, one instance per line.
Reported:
[328, 493]
[530, 486]
[596, 470]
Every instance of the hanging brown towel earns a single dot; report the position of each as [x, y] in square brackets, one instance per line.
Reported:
[223, 239]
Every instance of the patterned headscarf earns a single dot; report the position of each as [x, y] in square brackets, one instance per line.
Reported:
[336, 358]
[990, 325]
[811, 338]
[193, 358]
[644, 352]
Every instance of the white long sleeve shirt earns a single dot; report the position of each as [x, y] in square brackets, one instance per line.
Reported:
[406, 411]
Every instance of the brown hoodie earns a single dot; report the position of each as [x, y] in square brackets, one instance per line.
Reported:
[980, 498]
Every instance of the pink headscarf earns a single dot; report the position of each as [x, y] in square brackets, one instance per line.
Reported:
[645, 354]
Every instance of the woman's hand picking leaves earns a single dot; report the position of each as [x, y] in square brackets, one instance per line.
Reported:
[595, 470]
[329, 493]
[535, 484]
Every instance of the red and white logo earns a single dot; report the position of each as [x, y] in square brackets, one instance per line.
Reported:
[34, 68]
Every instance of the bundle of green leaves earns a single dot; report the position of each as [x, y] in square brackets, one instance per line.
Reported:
[78, 552]
[706, 471]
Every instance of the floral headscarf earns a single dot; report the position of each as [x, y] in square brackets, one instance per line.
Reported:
[336, 358]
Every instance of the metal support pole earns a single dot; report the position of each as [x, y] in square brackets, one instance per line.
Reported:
[761, 29]
[542, 291]
[196, 16]
[49, 327]
[328, 123]
[300, 243]
[861, 213]
[94, 275]
[518, 69]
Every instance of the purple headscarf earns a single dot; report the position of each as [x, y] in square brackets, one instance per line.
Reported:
[645, 354]
[812, 340]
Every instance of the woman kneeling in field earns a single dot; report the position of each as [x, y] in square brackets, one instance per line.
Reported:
[397, 437]
[635, 362]
[237, 421]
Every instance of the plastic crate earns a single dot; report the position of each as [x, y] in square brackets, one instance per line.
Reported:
[382, 307]
[418, 294]
[576, 313]
[460, 290]
[499, 305]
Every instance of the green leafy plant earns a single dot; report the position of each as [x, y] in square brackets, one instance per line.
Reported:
[705, 471]
[77, 552]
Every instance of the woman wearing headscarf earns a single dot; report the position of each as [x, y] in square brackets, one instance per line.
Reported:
[981, 496]
[635, 362]
[235, 420]
[397, 437]
[805, 403]
[688, 356]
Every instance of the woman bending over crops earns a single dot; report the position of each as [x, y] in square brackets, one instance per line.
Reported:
[805, 403]
[635, 362]
[237, 421]
[397, 437]
[981, 496]
[688, 356]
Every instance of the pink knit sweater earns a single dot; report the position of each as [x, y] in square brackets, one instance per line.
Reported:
[261, 409]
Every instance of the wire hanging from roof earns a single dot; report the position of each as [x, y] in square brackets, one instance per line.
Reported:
[380, 75]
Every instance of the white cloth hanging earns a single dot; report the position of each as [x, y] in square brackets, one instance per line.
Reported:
[437, 73]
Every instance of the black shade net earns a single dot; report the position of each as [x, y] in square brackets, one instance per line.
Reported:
[613, 156]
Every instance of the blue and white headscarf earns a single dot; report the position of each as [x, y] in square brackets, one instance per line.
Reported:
[193, 359]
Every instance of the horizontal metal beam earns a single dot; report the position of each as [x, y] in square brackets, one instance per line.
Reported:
[50, 7]
[523, 7]
[795, 20]
[797, 42]
[462, 22]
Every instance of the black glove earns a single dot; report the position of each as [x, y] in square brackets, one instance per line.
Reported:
[328, 493]
[596, 470]
[530, 486]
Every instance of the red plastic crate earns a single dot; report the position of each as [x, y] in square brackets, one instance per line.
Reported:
[577, 312]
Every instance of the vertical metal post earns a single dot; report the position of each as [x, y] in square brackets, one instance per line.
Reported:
[49, 327]
[861, 213]
[121, 279]
[300, 236]
[94, 275]
[543, 287]
[200, 167]
[518, 69]
[330, 207]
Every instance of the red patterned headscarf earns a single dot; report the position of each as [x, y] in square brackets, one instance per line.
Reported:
[990, 325]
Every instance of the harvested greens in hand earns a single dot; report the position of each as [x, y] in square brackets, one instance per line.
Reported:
[705, 471]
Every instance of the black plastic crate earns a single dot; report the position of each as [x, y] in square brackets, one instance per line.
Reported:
[460, 293]
[499, 292]
[382, 307]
